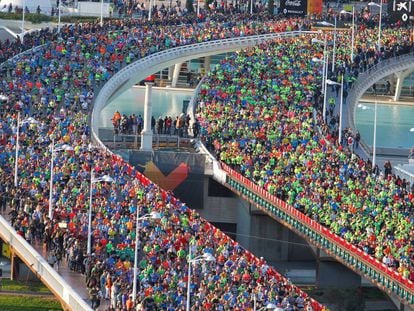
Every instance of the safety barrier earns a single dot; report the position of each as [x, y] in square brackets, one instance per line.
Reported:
[345, 252]
[62, 290]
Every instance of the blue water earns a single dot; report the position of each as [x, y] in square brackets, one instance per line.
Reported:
[393, 124]
[164, 103]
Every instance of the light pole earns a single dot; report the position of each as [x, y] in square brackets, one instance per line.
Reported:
[150, 10]
[330, 82]
[59, 9]
[323, 61]
[198, 8]
[154, 216]
[23, 13]
[101, 21]
[52, 160]
[379, 23]
[334, 48]
[353, 30]
[205, 257]
[324, 87]
[93, 180]
[251, 7]
[16, 166]
[374, 140]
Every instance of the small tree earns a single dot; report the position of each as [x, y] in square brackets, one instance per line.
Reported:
[189, 5]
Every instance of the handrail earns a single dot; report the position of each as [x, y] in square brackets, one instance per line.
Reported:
[304, 219]
[65, 293]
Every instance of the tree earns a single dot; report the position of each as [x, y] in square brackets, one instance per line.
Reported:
[189, 5]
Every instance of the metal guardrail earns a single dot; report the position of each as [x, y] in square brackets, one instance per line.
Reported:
[62, 290]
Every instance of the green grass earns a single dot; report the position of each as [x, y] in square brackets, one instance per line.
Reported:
[25, 303]
[36, 287]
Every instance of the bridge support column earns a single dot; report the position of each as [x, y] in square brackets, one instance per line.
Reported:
[207, 63]
[170, 73]
[176, 73]
[400, 81]
[330, 273]
[13, 274]
[146, 134]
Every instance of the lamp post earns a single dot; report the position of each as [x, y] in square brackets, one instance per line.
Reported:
[324, 82]
[154, 216]
[59, 9]
[93, 180]
[374, 139]
[251, 7]
[205, 257]
[198, 8]
[340, 105]
[379, 23]
[101, 20]
[323, 61]
[52, 160]
[353, 30]
[23, 13]
[150, 10]
[16, 159]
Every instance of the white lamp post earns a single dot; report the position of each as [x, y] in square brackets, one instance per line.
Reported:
[251, 7]
[353, 30]
[150, 10]
[59, 9]
[52, 160]
[23, 13]
[93, 180]
[379, 23]
[327, 24]
[154, 216]
[340, 105]
[16, 166]
[323, 61]
[198, 8]
[101, 20]
[374, 141]
[205, 257]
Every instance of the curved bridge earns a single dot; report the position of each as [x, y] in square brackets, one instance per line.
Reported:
[140, 69]
[344, 252]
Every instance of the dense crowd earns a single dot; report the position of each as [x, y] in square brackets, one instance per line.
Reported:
[261, 112]
[55, 85]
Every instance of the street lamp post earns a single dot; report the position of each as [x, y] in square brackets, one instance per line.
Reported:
[29, 120]
[52, 160]
[101, 20]
[353, 30]
[323, 61]
[23, 13]
[324, 82]
[154, 216]
[379, 23]
[340, 105]
[150, 10]
[251, 7]
[374, 140]
[205, 257]
[94, 180]
[334, 48]
[59, 9]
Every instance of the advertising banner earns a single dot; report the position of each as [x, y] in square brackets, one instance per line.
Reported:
[400, 11]
[315, 7]
[294, 7]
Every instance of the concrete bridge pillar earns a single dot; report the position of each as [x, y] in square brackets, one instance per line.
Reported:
[146, 134]
[400, 81]
[170, 72]
[330, 273]
[176, 74]
[207, 63]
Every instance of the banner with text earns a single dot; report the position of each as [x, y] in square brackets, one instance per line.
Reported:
[401, 11]
[294, 7]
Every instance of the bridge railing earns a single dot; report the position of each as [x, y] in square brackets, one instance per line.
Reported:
[347, 253]
[62, 290]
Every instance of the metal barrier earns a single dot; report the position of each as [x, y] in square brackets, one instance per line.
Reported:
[62, 290]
